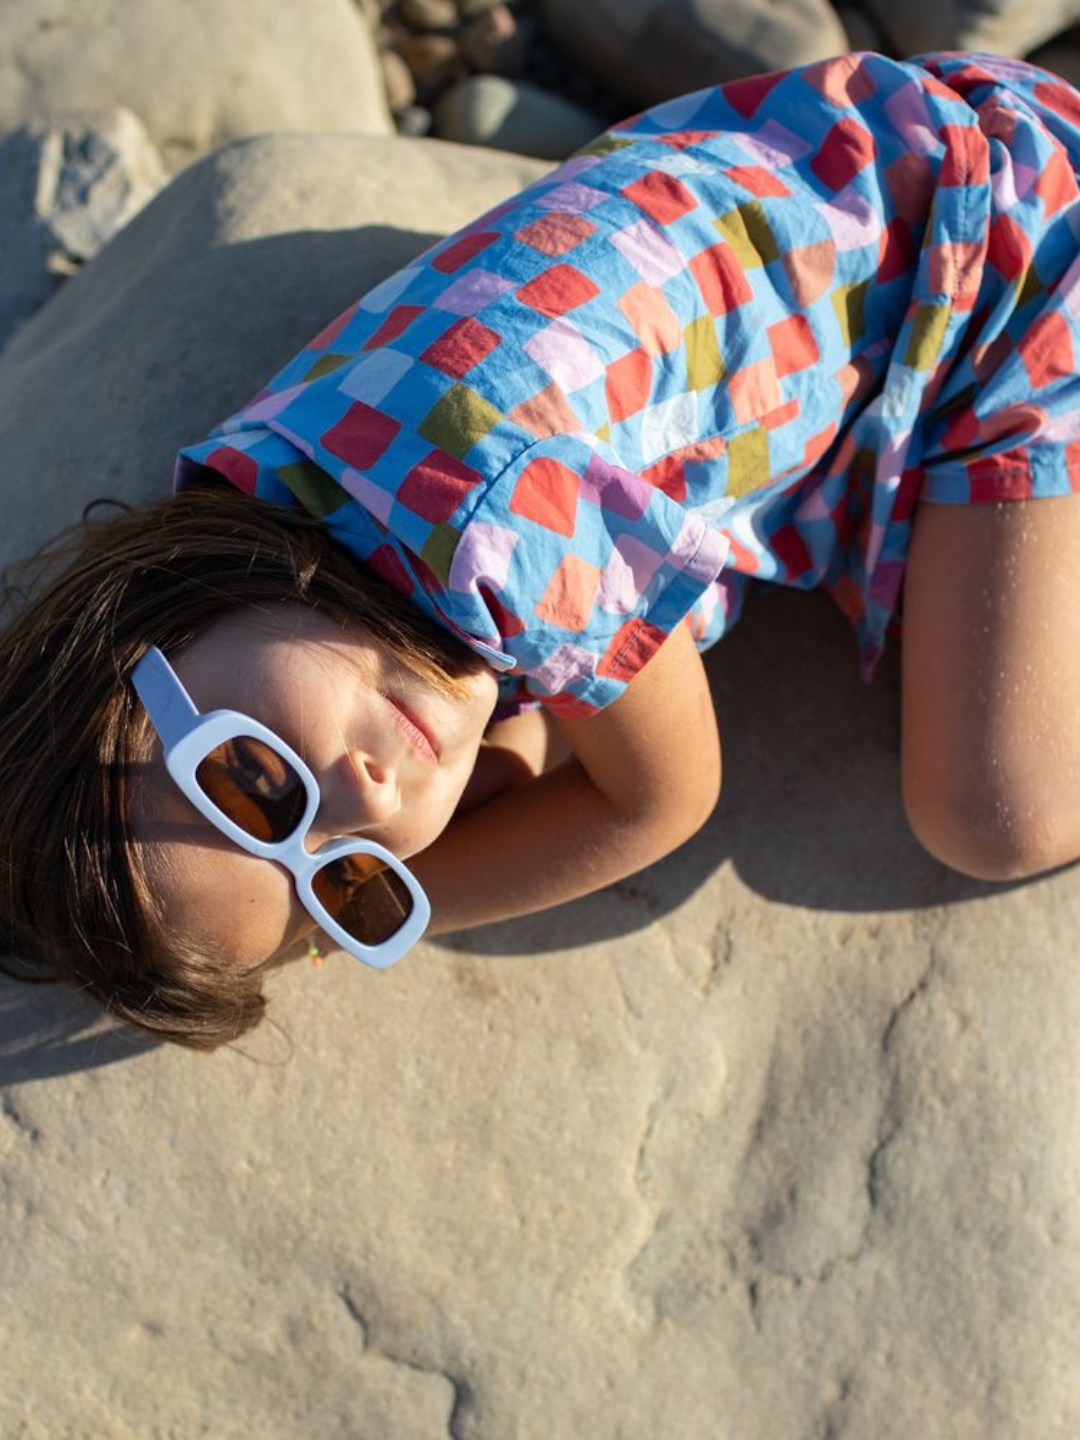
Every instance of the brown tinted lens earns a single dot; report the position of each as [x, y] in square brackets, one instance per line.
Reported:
[254, 786]
[366, 898]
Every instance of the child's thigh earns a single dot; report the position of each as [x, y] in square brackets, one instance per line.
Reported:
[991, 685]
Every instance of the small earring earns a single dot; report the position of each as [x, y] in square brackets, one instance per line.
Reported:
[314, 954]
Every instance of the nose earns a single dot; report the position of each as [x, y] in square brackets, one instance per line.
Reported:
[358, 793]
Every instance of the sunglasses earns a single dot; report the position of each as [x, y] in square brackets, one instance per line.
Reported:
[257, 791]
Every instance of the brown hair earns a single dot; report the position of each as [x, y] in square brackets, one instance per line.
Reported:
[74, 901]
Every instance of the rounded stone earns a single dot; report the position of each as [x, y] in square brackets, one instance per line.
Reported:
[197, 74]
[434, 62]
[429, 15]
[650, 50]
[1001, 27]
[398, 79]
[497, 42]
[513, 115]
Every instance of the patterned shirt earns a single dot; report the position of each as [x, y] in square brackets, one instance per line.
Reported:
[737, 337]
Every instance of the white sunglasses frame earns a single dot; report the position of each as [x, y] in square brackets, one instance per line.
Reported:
[187, 737]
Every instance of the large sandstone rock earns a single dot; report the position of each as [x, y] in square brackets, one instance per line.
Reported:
[777, 1140]
[197, 73]
[649, 50]
[1002, 27]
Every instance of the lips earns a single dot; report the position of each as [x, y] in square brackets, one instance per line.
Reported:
[414, 730]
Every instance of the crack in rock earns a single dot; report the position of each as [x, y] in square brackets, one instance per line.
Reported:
[891, 1120]
[15, 1117]
[463, 1397]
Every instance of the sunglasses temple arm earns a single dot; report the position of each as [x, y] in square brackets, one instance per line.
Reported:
[169, 706]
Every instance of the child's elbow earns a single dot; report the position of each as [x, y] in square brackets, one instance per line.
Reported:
[688, 809]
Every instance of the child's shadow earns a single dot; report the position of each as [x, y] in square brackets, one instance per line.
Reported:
[810, 814]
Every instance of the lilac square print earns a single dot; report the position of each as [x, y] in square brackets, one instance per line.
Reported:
[471, 292]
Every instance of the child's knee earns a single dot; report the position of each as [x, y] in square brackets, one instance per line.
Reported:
[989, 830]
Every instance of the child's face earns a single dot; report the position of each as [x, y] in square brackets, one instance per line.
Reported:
[390, 753]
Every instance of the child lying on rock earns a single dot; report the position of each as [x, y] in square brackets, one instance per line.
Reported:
[418, 635]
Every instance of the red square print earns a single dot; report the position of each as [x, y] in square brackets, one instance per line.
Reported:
[436, 486]
[911, 183]
[547, 493]
[844, 79]
[548, 412]
[628, 384]
[395, 324]
[754, 390]
[720, 279]
[327, 336]
[1061, 98]
[1046, 349]
[237, 467]
[360, 436]
[757, 180]
[632, 646]
[387, 564]
[847, 148]
[744, 96]
[506, 622]
[896, 250]
[662, 197]
[655, 323]
[967, 156]
[556, 233]
[793, 345]
[460, 252]
[790, 549]
[462, 346]
[683, 139]
[568, 600]
[558, 289]
[1056, 186]
[1009, 249]
[668, 475]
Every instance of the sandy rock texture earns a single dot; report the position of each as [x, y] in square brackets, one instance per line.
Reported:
[776, 1141]
[197, 74]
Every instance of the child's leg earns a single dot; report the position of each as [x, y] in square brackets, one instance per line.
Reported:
[991, 677]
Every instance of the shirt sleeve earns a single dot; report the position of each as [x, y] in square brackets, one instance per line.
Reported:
[566, 570]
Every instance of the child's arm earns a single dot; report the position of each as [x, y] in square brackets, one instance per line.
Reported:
[644, 776]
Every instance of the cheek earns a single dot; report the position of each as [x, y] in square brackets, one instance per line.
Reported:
[224, 901]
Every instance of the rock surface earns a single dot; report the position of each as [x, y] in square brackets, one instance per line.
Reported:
[1003, 27]
[650, 50]
[197, 74]
[66, 187]
[513, 115]
[777, 1140]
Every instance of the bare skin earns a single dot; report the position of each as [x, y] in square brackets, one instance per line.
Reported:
[991, 685]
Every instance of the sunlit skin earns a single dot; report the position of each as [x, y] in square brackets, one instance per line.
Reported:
[391, 754]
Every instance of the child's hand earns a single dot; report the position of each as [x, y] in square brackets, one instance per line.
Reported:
[643, 776]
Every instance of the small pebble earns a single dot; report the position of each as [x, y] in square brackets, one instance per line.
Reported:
[497, 42]
[414, 121]
[517, 116]
[397, 77]
[426, 16]
[434, 62]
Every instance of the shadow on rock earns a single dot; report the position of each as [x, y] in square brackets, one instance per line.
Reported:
[49, 1030]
